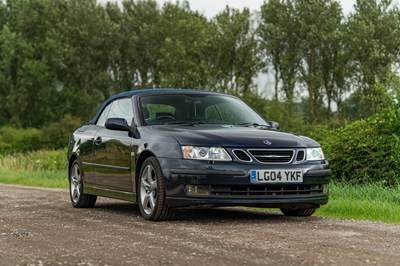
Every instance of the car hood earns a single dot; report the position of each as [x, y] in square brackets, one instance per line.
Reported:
[234, 136]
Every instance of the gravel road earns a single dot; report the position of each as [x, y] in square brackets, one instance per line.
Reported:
[40, 227]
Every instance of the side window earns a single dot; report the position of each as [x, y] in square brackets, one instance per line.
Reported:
[103, 117]
[122, 109]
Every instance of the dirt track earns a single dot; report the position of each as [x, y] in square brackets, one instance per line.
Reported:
[39, 227]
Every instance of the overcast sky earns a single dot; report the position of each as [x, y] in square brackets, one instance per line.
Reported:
[212, 7]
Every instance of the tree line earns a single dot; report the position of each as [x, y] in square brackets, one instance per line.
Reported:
[61, 57]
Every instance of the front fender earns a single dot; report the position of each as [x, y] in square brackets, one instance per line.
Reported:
[161, 147]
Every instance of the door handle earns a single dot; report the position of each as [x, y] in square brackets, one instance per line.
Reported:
[98, 141]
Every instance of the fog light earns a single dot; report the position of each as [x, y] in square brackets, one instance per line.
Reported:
[325, 188]
[193, 190]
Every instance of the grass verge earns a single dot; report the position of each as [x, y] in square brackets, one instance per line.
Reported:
[43, 178]
[371, 202]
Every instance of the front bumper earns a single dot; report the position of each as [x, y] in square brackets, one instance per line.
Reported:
[231, 186]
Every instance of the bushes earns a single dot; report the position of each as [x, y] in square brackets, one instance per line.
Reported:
[54, 136]
[19, 140]
[32, 149]
[367, 150]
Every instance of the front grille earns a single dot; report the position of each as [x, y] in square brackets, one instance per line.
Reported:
[300, 155]
[242, 155]
[265, 190]
[272, 156]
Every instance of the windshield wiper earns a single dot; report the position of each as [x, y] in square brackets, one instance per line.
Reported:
[251, 124]
[190, 123]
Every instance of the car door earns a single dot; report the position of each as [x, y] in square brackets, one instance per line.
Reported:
[113, 150]
[87, 136]
[86, 152]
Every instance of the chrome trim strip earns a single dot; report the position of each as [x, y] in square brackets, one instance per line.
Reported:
[291, 159]
[273, 156]
[97, 165]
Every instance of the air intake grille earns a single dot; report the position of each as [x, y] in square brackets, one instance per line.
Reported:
[241, 155]
[273, 156]
[265, 190]
[300, 155]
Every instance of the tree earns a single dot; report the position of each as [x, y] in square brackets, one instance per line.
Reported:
[30, 62]
[280, 41]
[87, 34]
[233, 53]
[319, 22]
[303, 42]
[333, 55]
[183, 54]
[3, 13]
[373, 31]
[141, 41]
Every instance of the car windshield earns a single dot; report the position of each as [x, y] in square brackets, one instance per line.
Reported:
[190, 109]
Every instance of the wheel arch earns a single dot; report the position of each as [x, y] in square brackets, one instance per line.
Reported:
[142, 157]
[72, 158]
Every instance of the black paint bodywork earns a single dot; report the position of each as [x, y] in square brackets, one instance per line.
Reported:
[111, 159]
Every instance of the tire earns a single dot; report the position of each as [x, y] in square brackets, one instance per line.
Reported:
[299, 212]
[78, 198]
[151, 192]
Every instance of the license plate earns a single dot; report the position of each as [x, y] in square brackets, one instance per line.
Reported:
[276, 176]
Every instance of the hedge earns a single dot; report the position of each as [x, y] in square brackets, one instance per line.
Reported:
[367, 150]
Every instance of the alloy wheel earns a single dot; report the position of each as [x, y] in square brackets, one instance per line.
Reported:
[148, 189]
[76, 183]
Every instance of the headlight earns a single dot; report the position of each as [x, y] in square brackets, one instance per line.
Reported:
[205, 153]
[315, 154]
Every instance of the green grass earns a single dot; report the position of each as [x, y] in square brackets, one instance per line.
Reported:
[43, 178]
[52, 160]
[43, 168]
[371, 202]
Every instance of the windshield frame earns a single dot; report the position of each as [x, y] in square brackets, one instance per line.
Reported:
[260, 120]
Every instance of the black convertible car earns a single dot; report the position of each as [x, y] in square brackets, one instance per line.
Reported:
[169, 148]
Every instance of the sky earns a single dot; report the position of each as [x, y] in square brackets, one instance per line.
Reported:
[212, 7]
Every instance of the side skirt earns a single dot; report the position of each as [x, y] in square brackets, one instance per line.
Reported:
[110, 193]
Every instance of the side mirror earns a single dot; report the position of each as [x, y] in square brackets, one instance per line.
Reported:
[274, 124]
[119, 124]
